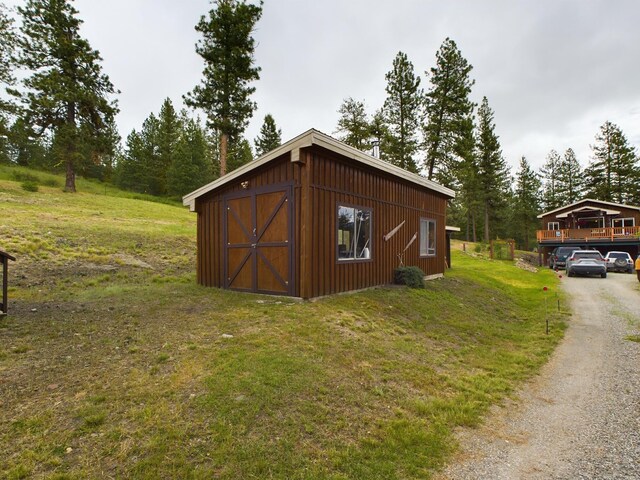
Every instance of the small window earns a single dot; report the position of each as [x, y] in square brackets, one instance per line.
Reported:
[354, 233]
[427, 237]
[624, 222]
[553, 226]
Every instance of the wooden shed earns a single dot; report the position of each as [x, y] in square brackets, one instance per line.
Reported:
[316, 217]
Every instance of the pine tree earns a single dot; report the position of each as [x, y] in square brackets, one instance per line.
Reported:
[270, 136]
[448, 108]
[353, 125]
[7, 78]
[526, 204]
[227, 48]
[569, 179]
[169, 131]
[190, 167]
[66, 89]
[239, 153]
[612, 175]
[380, 134]
[550, 188]
[27, 149]
[492, 173]
[402, 110]
[137, 168]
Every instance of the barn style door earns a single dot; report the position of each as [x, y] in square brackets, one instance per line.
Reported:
[258, 241]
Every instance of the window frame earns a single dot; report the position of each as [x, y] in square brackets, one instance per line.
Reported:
[343, 260]
[435, 238]
[550, 224]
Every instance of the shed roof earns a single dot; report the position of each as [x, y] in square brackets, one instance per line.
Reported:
[307, 139]
[590, 200]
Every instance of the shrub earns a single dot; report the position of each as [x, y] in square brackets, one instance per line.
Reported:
[25, 177]
[29, 186]
[412, 277]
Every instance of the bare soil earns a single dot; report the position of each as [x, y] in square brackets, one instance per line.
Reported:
[580, 418]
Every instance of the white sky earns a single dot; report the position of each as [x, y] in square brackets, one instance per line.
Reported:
[553, 70]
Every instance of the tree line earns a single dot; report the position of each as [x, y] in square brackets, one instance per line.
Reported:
[61, 117]
[440, 133]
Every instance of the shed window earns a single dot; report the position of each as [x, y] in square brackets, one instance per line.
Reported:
[553, 226]
[427, 237]
[354, 233]
[624, 222]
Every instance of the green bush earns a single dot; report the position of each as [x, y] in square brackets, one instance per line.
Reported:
[412, 277]
[29, 186]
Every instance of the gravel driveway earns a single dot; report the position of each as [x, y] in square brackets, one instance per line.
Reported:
[580, 418]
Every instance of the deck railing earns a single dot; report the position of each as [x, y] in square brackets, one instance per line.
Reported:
[586, 234]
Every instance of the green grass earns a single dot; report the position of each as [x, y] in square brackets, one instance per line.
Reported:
[115, 363]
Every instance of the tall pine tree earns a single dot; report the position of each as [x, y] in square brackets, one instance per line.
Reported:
[550, 188]
[569, 179]
[492, 173]
[612, 175]
[270, 136]
[227, 49]
[402, 113]
[7, 78]
[353, 125]
[448, 110]
[66, 91]
[526, 205]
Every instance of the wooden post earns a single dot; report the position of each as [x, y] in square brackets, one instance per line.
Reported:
[4, 258]
[305, 225]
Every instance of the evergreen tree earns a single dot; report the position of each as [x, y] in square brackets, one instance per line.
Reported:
[465, 208]
[190, 168]
[492, 173]
[169, 131]
[402, 110]
[526, 204]
[380, 134]
[550, 188]
[239, 153]
[7, 78]
[270, 136]
[227, 48]
[448, 108]
[612, 175]
[569, 179]
[353, 125]
[27, 149]
[136, 169]
[66, 89]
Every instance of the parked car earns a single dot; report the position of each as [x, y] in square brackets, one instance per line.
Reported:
[619, 262]
[586, 262]
[558, 258]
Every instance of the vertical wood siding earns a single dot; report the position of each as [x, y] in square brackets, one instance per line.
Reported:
[330, 180]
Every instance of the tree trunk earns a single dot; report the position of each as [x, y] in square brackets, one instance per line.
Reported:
[473, 227]
[486, 223]
[70, 144]
[224, 145]
[468, 226]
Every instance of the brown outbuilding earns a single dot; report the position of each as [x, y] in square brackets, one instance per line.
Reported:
[316, 217]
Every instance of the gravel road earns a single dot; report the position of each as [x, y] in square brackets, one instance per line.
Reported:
[580, 418]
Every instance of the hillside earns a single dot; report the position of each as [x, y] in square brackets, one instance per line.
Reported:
[114, 363]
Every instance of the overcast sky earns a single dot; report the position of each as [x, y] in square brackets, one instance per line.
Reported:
[554, 71]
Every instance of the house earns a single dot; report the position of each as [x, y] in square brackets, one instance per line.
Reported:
[316, 217]
[591, 223]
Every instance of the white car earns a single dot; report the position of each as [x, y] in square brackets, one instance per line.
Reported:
[619, 262]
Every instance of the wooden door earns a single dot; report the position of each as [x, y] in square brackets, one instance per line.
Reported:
[258, 241]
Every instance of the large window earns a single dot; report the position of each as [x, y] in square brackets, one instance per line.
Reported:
[553, 226]
[427, 237]
[354, 233]
[624, 222]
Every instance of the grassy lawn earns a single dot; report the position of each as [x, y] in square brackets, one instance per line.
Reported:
[115, 364]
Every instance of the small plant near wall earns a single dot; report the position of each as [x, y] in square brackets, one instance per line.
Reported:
[412, 277]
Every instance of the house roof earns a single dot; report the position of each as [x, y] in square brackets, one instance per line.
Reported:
[580, 202]
[307, 139]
